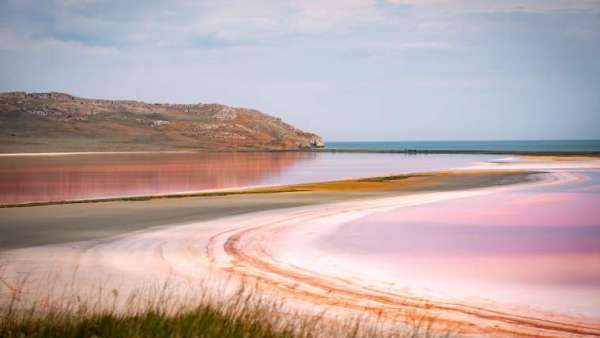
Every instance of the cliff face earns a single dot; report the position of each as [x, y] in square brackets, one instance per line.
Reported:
[61, 122]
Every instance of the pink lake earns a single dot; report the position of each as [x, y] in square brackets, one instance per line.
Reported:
[42, 178]
[536, 247]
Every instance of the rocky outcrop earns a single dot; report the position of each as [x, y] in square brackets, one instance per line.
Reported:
[62, 122]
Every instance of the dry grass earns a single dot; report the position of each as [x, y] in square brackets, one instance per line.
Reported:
[246, 312]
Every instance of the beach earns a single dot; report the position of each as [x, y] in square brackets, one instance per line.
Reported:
[54, 223]
[300, 169]
[267, 239]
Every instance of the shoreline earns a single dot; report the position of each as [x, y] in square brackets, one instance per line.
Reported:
[59, 223]
[283, 255]
[461, 151]
[356, 183]
[590, 153]
[244, 247]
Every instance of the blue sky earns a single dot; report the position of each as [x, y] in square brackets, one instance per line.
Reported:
[348, 70]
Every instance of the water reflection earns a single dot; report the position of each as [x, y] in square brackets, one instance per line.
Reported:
[52, 178]
[84, 176]
[535, 247]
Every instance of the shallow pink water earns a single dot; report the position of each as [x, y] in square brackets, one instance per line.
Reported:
[84, 176]
[533, 247]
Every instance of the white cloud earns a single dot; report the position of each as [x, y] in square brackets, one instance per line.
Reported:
[495, 6]
[319, 16]
[180, 23]
[241, 19]
[335, 59]
[11, 41]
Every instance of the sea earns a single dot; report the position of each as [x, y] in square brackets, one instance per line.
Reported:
[509, 145]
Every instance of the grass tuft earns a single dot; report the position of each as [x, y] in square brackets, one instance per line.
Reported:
[244, 314]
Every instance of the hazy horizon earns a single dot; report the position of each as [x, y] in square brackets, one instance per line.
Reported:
[353, 70]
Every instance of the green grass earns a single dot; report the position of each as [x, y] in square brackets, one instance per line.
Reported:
[246, 314]
[204, 321]
[243, 314]
[387, 178]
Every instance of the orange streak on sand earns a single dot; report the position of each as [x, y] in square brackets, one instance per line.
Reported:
[242, 247]
[559, 158]
[250, 259]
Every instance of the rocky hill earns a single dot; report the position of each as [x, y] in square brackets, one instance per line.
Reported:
[47, 122]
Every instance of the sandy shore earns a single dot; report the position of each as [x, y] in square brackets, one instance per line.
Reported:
[236, 239]
[53, 223]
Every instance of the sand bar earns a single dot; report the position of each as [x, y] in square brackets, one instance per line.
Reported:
[253, 245]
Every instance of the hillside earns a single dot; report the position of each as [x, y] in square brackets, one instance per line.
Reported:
[57, 122]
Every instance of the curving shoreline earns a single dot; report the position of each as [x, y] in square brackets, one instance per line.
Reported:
[305, 274]
[101, 177]
[253, 246]
[59, 223]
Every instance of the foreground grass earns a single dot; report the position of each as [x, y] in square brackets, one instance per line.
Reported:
[205, 321]
[245, 315]
[201, 322]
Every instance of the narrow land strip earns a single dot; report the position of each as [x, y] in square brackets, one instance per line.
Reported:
[52, 223]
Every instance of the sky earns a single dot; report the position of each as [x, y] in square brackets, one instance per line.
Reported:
[349, 70]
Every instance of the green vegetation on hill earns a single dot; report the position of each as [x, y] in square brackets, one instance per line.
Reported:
[57, 122]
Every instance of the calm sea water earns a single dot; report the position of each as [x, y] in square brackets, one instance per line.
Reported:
[515, 145]
[88, 176]
[531, 247]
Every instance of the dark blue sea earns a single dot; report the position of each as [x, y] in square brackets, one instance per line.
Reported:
[511, 145]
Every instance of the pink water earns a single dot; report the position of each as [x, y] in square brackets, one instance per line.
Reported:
[530, 247]
[87, 176]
